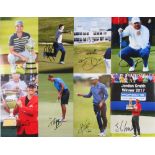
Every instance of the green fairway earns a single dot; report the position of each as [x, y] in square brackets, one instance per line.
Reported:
[45, 65]
[88, 58]
[49, 25]
[117, 69]
[7, 28]
[50, 108]
[130, 135]
[47, 29]
[85, 123]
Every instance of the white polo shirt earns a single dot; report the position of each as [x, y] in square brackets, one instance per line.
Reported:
[58, 36]
[137, 41]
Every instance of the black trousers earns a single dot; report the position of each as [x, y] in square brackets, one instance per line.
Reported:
[101, 117]
[135, 124]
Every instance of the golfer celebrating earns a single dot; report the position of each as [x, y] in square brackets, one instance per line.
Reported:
[17, 44]
[139, 44]
[63, 94]
[100, 95]
[135, 117]
[58, 46]
[26, 111]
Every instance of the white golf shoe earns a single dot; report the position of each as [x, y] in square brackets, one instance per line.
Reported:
[102, 134]
[61, 62]
[134, 135]
[145, 69]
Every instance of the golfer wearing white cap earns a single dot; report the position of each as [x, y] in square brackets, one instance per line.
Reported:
[139, 45]
[17, 46]
[99, 92]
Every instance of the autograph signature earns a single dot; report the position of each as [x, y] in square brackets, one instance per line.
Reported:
[89, 63]
[54, 122]
[84, 127]
[122, 127]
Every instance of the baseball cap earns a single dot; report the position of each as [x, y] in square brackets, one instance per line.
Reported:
[19, 22]
[94, 78]
[135, 20]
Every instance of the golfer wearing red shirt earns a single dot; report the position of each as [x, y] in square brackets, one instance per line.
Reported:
[135, 118]
[27, 111]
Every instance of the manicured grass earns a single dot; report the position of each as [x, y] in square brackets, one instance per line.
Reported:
[84, 114]
[49, 25]
[94, 55]
[116, 60]
[50, 108]
[130, 135]
[7, 28]
[45, 65]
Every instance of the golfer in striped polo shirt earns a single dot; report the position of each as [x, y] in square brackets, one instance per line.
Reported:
[100, 95]
[17, 44]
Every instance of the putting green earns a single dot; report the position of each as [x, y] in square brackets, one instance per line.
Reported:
[116, 60]
[49, 107]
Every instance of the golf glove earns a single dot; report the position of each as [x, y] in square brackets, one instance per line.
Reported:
[120, 30]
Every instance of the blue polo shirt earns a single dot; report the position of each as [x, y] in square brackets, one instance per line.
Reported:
[99, 93]
[58, 82]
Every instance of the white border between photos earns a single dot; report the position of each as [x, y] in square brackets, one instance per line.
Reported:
[78, 146]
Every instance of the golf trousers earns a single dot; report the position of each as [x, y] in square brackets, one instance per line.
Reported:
[128, 53]
[101, 117]
[12, 58]
[59, 47]
[108, 65]
[135, 124]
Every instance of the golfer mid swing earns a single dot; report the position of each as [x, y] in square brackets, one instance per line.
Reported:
[139, 44]
[100, 95]
[63, 94]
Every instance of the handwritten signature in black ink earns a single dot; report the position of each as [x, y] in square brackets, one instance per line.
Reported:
[54, 122]
[84, 128]
[88, 63]
[122, 127]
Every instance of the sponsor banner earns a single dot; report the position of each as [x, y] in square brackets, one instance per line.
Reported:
[124, 91]
[127, 96]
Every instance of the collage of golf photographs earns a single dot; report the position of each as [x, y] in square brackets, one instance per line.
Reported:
[77, 76]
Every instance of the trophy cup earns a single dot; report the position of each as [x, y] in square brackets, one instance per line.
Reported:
[130, 106]
[31, 67]
[11, 100]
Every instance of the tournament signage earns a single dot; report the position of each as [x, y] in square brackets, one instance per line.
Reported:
[133, 91]
[126, 91]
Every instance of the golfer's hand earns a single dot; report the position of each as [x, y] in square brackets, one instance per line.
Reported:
[24, 59]
[102, 103]
[19, 103]
[120, 30]
[59, 96]
[79, 94]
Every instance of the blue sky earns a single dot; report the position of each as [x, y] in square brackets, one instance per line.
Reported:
[92, 22]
